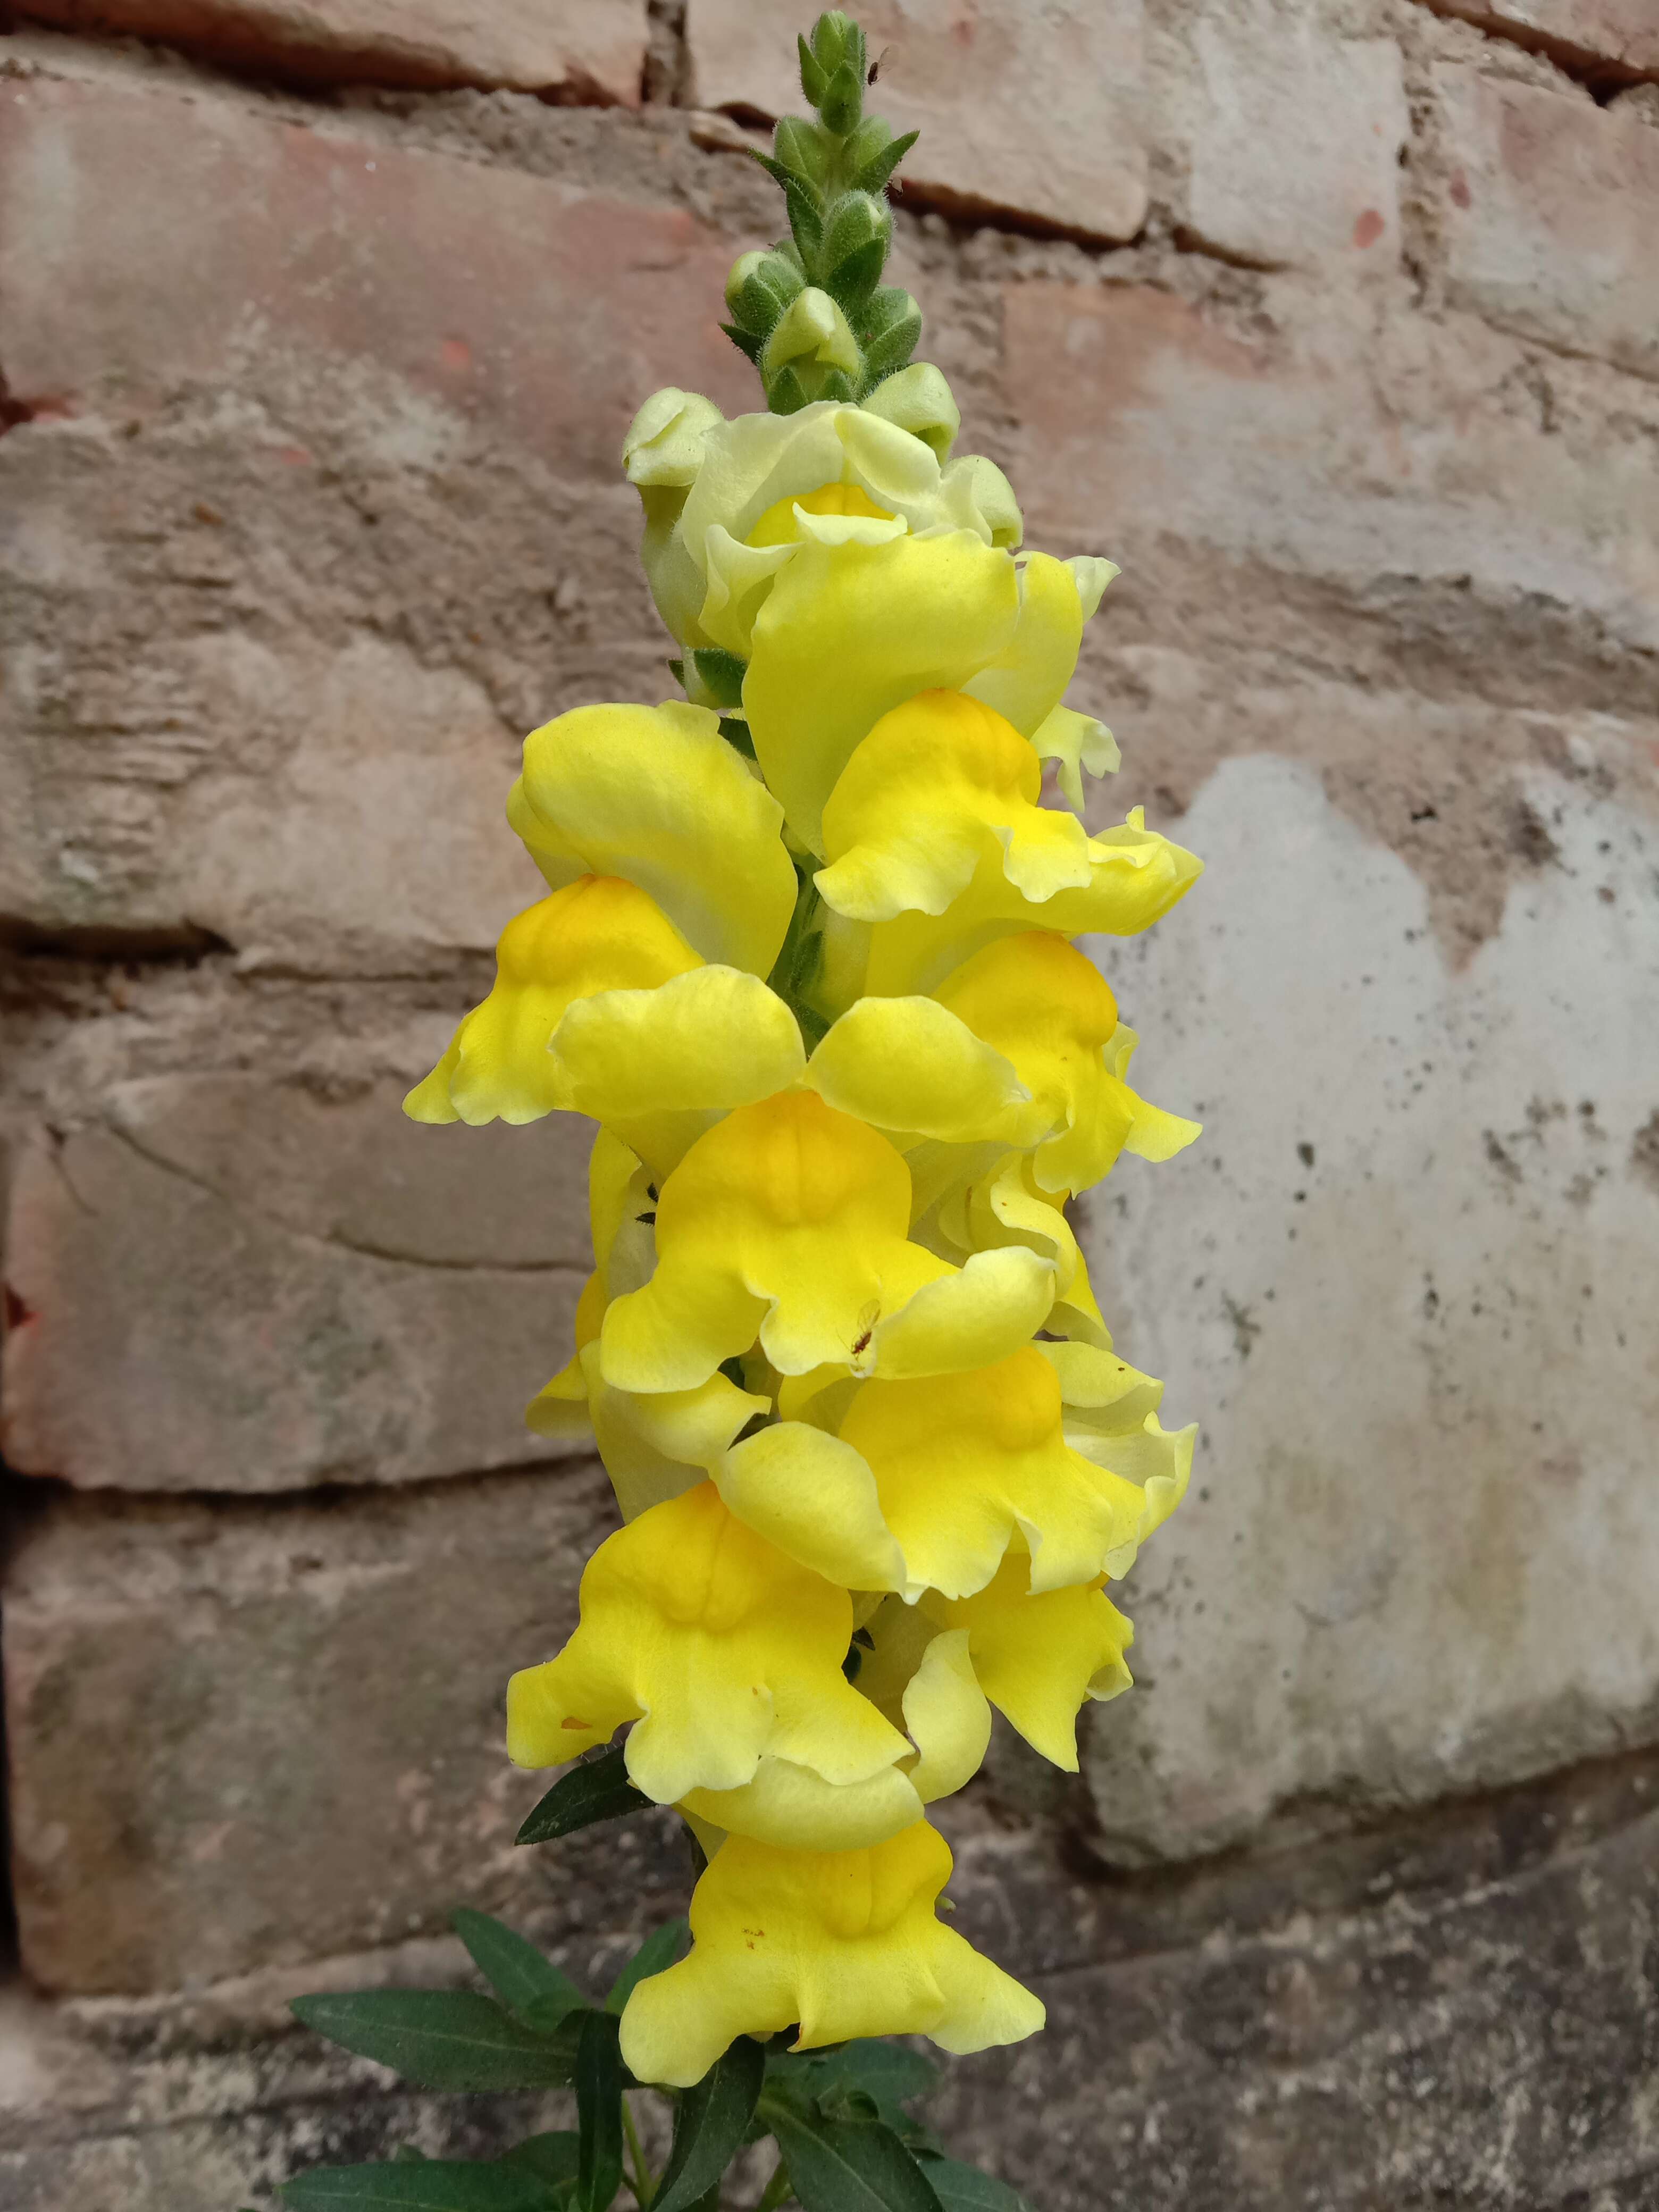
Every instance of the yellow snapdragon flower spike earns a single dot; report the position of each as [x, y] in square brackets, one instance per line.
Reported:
[814, 960]
[840, 1944]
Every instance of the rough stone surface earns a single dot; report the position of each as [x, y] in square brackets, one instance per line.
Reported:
[1453, 2008]
[972, 77]
[572, 49]
[1552, 216]
[1379, 454]
[1400, 1286]
[1583, 33]
[229, 1283]
[1459, 2010]
[242, 1737]
[1240, 78]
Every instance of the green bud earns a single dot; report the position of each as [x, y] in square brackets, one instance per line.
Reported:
[814, 334]
[842, 105]
[838, 41]
[814, 77]
[800, 147]
[856, 235]
[918, 399]
[889, 328]
[759, 289]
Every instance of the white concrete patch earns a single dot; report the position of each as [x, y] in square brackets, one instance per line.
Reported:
[1422, 1547]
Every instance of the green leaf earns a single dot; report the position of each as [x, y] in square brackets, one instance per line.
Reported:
[961, 2188]
[814, 80]
[856, 277]
[873, 173]
[598, 2112]
[848, 2166]
[406, 2154]
[886, 2073]
[657, 1951]
[554, 2159]
[710, 2126]
[597, 1789]
[440, 2038]
[431, 2185]
[746, 343]
[516, 1970]
[722, 675]
[843, 104]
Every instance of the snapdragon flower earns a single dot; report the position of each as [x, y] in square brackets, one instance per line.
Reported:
[810, 959]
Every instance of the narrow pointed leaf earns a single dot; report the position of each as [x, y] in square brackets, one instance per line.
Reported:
[710, 2126]
[877, 169]
[440, 2038]
[599, 2111]
[660, 1949]
[850, 2165]
[597, 1789]
[554, 2158]
[430, 2186]
[516, 1970]
[965, 2189]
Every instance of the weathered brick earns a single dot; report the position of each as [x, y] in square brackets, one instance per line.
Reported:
[228, 1283]
[1290, 135]
[1551, 215]
[278, 607]
[242, 1736]
[577, 49]
[1163, 433]
[266, 256]
[1038, 114]
[1396, 1283]
[1451, 2009]
[1588, 33]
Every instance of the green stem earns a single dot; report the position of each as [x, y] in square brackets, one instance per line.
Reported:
[642, 2183]
[776, 2190]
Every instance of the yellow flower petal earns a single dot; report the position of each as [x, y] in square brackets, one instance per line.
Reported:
[815, 1499]
[597, 934]
[1038, 1658]
[1049, 1011]
[1100, 1392]
[656, 794]
[946, 1718]
[792, 1807]
[906, 1064]
[942, 787]
[1005, 1208]
[719, 1650]
[965, 1318]
[788, 1221]
[968, 1466]
[850, 632]
[654, 1445]
[662, 455]
[1155, 1460]
[1077, 742]
[1028, 678]
[847, 1943]
[657, 1065]
[1135, 876]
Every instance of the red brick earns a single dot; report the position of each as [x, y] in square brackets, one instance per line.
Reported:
[1625, 33]
[231, 1284]
[1551, 215]
[242, 1737]
[1041, 113]
[155, 245]
[579, 49]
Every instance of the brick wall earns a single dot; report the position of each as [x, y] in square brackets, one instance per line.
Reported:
[1333, 321]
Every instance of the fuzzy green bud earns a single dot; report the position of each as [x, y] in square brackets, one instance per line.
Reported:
[760, 288]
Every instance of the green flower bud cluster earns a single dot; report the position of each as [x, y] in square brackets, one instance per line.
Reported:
[812, 313]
